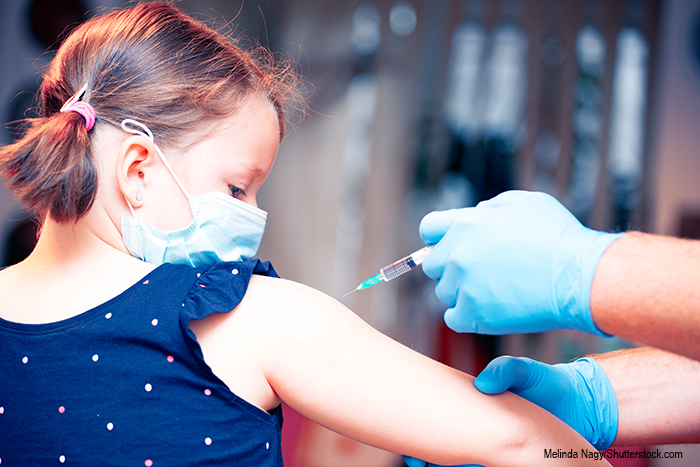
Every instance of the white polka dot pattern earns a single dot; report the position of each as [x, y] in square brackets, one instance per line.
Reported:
[157, 346]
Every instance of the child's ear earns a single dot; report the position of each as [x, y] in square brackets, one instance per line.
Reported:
[136, 160]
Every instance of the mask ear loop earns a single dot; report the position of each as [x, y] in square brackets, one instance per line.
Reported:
[144, 131]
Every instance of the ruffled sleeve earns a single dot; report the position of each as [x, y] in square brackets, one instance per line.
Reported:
[217, 289]
[221, 287]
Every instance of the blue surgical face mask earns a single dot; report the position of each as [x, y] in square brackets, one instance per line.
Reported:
[223, 228]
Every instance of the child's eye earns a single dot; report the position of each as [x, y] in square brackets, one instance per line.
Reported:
[236, 192]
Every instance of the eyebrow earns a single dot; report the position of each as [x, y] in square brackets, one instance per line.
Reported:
[256, 170]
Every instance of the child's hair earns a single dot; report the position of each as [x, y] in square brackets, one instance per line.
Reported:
[151, 63]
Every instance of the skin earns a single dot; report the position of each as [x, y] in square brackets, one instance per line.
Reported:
[284, 341]
[646, 289]
[657, 394]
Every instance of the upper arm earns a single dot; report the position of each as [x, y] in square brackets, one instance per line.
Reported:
[332, 367]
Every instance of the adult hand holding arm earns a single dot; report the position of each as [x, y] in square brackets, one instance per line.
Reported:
[579, 393]
[635, 397]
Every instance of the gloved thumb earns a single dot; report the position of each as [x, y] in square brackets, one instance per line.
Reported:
[435, 224]
[501, 374]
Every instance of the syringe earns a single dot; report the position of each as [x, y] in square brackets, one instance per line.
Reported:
[394, 270]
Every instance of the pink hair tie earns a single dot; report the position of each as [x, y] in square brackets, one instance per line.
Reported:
[74, 104]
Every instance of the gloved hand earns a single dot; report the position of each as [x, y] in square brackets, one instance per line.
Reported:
[578, 393]
[519, 262]
[413, 462]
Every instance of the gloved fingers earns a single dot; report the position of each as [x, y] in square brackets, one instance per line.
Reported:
[435, 224]
[413, 462]
[508, 373]
[460, 320]
[498, 376]
[434, 264]
[437, 260]
[503, 199]
[446, 289]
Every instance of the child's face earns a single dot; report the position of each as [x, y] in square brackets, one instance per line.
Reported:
[237, 156]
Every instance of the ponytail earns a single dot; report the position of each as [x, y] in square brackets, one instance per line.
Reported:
[151, 63]
[51, 169]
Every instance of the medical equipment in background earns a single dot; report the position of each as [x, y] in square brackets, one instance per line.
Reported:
[395, 269]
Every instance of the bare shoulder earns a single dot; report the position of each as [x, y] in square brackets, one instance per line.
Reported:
[278, 326]
[269, 306]
[243, 347]
[277, 313]
[287, 299]
[299, 319]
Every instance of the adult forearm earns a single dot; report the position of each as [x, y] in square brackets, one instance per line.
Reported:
[658, 396]
[647, 289]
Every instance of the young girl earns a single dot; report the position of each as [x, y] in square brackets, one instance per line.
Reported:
[140, 332]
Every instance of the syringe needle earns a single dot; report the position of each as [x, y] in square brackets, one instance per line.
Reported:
[349, 293]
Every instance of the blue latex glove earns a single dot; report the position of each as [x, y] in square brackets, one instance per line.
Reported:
[519, 262]
[578, 393]
[413, 462]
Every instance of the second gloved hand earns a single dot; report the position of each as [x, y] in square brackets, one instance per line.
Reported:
[519, 262]
[578, 393]
[413, 462]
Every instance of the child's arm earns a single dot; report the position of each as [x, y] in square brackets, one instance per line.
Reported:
[333, 368]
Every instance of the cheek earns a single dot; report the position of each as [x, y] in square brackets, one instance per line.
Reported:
[200, 175]
[166, 210]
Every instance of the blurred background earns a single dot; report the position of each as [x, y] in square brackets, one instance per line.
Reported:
[435, 104]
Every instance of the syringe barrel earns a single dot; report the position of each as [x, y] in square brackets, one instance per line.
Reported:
[398, 268]
[403, 265]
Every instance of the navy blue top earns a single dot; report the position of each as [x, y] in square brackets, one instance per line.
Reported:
[125, 384]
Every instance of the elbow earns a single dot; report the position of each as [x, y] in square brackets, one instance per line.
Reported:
[515, 444]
